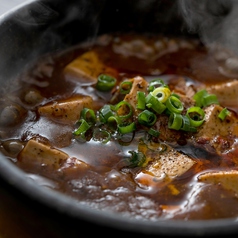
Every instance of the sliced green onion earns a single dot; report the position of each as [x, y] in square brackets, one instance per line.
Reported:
[175, 95]
[203, 98]
[153, 132]
[88, 115]
[162, 93]
[125, 87]
[140, 100]
[105, 82]
[224, 113]
[113, 122]
[153, 103]
[198, 97]
[174, 104]
[155, 83]
[196, 116]
[122, 104]
[101, 135]
[137, 159]
[83, 127]
[105, 112]
[147, 118]
[124, 129]
[175, 121]
[209, 100]
[186, 125]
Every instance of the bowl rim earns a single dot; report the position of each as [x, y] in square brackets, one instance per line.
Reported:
[16, 178]
[70, 206]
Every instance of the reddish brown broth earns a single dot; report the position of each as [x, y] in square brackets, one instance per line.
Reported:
[108, 184]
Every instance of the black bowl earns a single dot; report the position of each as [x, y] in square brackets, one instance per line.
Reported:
[45, 26]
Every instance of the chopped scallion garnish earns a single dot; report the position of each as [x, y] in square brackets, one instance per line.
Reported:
[105, 82]
[140, 100]
[186, 125]
[105, 112]
[125, 87]
[147, 118]
[174, 104]
[155, 83]
[224, 113]
[124, 129]
[203, 98]
[153, 103]
[162, 93]
[83, 127]
[153, 132]
[126, 111]
[209, 100]
[101, 135]
[121, 120]
[88, 115]
[198, 97]
[113, 122]
[175, 121]
[196, 116]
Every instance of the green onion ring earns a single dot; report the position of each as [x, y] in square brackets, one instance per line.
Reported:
[155, 83]
[101, 135]
[113, 122]
[105, 112]
[186, 125]
[175, 95]
[153, 132]
[88, 115]
[124, 103]
[224, 113]
[174, 104]
[125, 87]
[153, 103]
[147, 118]
[162, 93]
[209, 100]
[175, 121]
[105, 82]
[198, 97]
[203, 98]
[124, 129]
[196, 116]
[83, 127]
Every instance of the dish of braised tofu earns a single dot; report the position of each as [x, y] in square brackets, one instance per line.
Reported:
[142, 125]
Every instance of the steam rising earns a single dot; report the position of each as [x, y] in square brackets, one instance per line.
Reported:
[50, 26]
[216, 22]
[213, 20]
